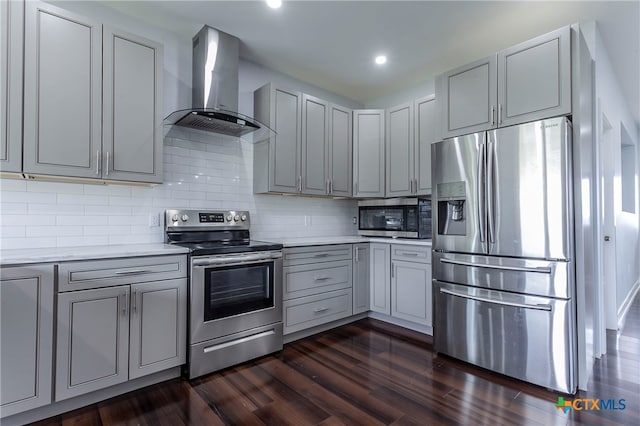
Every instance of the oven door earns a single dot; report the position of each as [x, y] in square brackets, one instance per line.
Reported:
[233, 293]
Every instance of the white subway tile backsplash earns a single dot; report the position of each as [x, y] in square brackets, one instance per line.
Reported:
[213, 175]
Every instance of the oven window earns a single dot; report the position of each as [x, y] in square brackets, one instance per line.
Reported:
[237, 290]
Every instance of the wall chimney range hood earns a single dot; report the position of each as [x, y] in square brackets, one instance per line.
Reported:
[216, 56]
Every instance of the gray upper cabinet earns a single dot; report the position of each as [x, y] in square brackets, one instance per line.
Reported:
[315, 148]
[26, 298]
[534, 79]
[11, 48]
[426, 133]
[526, 82]
[368, 153]
[400, 151]
[132, 110]
[468, 97]
[62, 92]
[340, 173]
[276, 163]
[92, 340]
[92, 99]
[158, 326]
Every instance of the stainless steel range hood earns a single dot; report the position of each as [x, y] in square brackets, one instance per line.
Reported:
[216, 55]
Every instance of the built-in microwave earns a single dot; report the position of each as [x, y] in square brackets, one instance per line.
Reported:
[395, 217]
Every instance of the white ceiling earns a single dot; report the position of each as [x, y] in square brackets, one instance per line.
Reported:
[332, 43]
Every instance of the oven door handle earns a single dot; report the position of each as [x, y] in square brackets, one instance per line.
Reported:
[236, 259]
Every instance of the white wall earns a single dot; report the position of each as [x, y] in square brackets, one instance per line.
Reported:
[627, 225]
[421, 90]
[213, 175]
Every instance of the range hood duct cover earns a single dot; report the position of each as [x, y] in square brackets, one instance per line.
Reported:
[216, 57]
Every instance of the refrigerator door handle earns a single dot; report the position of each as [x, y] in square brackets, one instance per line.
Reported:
[503, 267]
[491, 152]
[540, 306]
[481, 193]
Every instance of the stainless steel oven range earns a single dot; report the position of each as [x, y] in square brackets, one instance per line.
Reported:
[235, 288]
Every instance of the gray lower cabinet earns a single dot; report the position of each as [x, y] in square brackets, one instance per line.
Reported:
[11, 48]
[411, 283]
[276, 163]
[361, 278]
[380, 277]
[368, 153]
[26, 337]
[317, 286]
[92, 340]
[130, 324]
[157, 332]
[109, 125]
[399, 151]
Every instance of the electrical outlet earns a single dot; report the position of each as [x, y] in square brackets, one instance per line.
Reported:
[154, 220]
[307, 220]
[354, 220]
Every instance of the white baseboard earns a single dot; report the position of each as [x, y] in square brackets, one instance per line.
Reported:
[624, 308]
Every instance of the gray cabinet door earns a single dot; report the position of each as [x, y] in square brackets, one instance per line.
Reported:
[26, 347]
[62, 92]
[132, 108]
[276, 165]
[11, 48]
[315, 129]
[380, 277]
[534, 79]
[411, 291]
[399, 151]
[92, 340]
[340, 151]
[468, 98]
[368, 153]
[425, 135]
[158, 326]
[361, 284]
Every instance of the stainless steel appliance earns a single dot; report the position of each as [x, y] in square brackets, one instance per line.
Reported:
[504, 294]
[235, 288]
[395, 217]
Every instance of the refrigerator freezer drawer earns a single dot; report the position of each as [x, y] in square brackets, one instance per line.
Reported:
[531, 276]
[526, 337]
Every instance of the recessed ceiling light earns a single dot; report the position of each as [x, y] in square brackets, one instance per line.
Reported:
[274, 4]
[381, 59]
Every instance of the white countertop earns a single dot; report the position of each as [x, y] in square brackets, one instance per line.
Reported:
[349, 239]
[65, 254]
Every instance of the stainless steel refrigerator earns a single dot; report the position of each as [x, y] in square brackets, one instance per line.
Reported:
[504, 295]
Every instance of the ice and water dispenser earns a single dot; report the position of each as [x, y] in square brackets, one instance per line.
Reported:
[452, 205]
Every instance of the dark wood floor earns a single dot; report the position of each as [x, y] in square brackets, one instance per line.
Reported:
[370, 372]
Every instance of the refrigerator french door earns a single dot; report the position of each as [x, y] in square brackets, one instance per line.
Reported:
[503, 243]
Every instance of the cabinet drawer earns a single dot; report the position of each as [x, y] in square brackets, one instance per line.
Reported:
[302, 255]
[310, 311]
[411, 253]
[305, 280]
[105, 273]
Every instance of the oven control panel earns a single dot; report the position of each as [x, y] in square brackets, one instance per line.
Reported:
[206, 219]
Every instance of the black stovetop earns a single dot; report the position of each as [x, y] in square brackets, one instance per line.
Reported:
[204, 248]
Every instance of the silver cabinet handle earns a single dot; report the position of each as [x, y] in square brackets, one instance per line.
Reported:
[321, 255]
[355, 191]
[539, 269]
[318, 310]
[499, 114]
[134, 272]
[406, 253]
[134, 301]
[299, 183]
[357, 254]
[107, 165]
[98, 162]
[123, 296]
[540, 307]
[330, 186]
[493, 115]
[321, 278]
